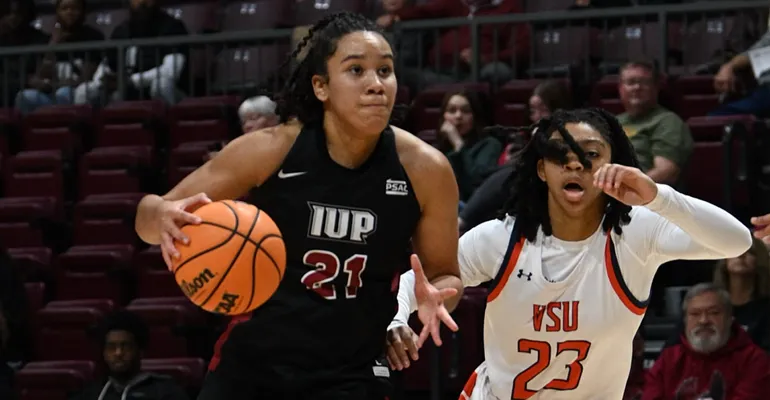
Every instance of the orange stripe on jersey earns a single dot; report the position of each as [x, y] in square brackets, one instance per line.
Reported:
[468, 388]
[618, 284]
[509, 267]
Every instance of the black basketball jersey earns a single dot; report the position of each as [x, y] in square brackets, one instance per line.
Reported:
[347, 234]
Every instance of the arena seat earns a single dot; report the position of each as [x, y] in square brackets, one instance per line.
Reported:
[23, 220]
[95, 272]
[58, 326]
[59, 127]
[34, 263]
[35, 174]
[168, 324]
[106, 219]
[111, 170]
[154, 278]
[49, 383]
[130, 123]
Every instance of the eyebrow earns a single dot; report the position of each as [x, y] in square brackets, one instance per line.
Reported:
[586, 141]
[361, 57]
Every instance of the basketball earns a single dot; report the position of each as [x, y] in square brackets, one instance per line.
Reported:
[234, 260]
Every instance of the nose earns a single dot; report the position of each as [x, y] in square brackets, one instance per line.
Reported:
[573, 163]
[375, 85]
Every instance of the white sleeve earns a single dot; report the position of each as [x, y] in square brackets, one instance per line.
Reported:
[675, 226]
[480, 254]
[171, 68]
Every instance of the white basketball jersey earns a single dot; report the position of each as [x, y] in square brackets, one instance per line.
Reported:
[567, 339]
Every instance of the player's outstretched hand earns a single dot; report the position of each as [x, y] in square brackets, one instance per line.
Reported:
[401, 343]
[762, 228]
[174, 215]
[628, 185]
[430, 305]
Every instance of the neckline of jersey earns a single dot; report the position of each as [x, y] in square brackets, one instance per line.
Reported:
[320, 136]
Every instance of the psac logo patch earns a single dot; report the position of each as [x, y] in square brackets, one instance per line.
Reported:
[396, 188]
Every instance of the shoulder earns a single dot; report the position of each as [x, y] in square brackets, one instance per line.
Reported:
[428, 169]
[664, 115]
[92, 34]
[259, 152]
[491, 233]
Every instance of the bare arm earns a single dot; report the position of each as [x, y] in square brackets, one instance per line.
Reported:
[435, 239]
[244, 163]
[664, 171]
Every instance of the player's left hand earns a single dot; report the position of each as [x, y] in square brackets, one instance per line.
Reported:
[628, 185]
[430, 305]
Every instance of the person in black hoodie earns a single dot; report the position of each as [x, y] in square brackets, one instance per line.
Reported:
[158, 72]
[123, 337]
[16, 30]
[64, 71]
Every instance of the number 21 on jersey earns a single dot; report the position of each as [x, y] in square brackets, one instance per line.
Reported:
[543, 351]
[328, 267]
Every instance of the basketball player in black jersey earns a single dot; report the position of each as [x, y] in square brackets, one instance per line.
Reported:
[349, 193]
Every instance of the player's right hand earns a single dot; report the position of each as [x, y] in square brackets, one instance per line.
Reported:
[430, 305]
[172, 216]
[401, 343]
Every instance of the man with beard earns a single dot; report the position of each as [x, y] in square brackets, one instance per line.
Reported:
[123, 336]
[713, 352]
[157, 72]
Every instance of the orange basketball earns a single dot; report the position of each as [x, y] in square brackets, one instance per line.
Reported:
[235, 258]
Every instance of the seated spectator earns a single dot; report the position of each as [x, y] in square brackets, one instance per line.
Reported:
[490, 196]
[712, 348]
[64, 71]
[662, 141]
[257, 113]
[635, 383]
[472, 153]
[411, 45]
[747, 279]
[151, 72]
[21, 72]
[123, 336]
[455, 43]
[755, 101]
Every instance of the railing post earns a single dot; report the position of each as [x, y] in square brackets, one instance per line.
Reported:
[476, 58]
[663, 29]
[121, 72]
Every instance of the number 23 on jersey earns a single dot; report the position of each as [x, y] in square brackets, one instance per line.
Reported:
[327, 268]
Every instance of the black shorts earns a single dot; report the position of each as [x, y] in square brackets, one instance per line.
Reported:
[221, 385]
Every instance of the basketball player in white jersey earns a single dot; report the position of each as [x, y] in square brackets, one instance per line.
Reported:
[571, 261]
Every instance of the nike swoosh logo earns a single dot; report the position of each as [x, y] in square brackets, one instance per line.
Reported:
[286, 175]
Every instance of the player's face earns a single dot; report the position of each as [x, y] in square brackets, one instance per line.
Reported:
[121, 352]
[570, 185]
[742, 265]
[706, 322]
[360, 88]
[459, 113]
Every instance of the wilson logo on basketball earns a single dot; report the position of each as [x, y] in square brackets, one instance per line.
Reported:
[198, 283]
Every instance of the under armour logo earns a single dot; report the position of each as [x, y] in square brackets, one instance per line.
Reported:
[522, 275]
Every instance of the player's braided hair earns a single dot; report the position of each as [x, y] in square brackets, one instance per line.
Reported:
[297, 98]
[528, 201]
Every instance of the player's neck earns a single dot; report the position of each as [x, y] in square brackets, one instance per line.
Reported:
[346, 149]
[741, 289]
[570, 228]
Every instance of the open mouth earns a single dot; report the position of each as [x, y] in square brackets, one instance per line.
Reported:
[574, 191]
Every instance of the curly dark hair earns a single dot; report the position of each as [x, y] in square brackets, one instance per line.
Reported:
[297, 98]
[528, 201]
[123, 320]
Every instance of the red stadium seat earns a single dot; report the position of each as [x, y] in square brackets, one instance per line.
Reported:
[106, 219]
[33, 262]
[35, 174]
[60, 326]
[23, 219]
[57, 128]
[155, 280]
[49, 383]
[188, 372]
[167, 323]
[109, 170]
[95, 272]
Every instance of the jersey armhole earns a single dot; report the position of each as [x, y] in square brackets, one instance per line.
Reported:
[508, 265]
[614, 274]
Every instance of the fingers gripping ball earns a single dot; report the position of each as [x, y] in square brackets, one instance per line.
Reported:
[235, 258]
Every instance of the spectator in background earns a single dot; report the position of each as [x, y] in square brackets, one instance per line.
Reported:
[410, 45]
[635, 382]
[756, 101]
[21, 72]
[490, 196]
[257, 113]
[157, 72]
[123, 336]
[65, 71]
[460, 135]
[747, 280]
[455, 43]
[662, 141]
[711, 348]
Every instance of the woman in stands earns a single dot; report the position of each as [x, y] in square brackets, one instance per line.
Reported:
[547, 97]
[571, 260]
[461, 137]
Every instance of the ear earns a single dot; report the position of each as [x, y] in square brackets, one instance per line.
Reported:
[320, 87]
[541, 169]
